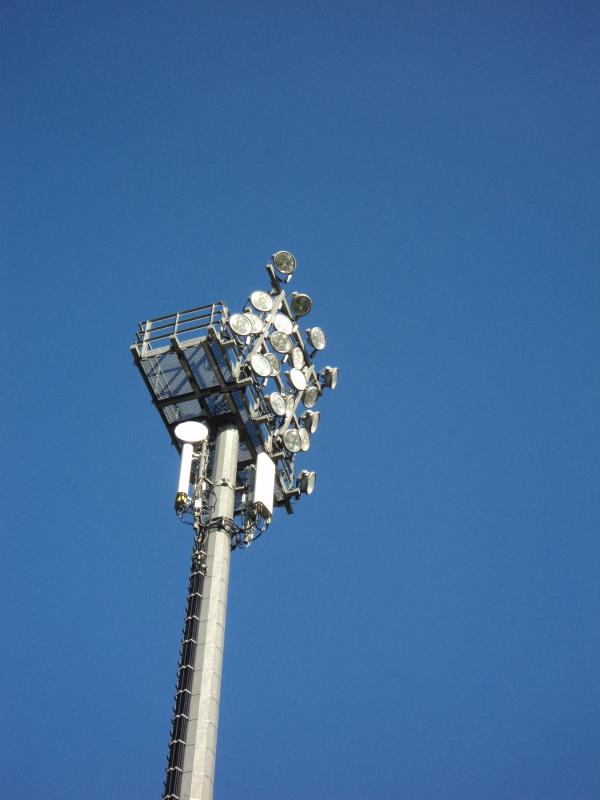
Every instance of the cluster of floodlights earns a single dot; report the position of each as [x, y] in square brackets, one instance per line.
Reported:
[277, 355]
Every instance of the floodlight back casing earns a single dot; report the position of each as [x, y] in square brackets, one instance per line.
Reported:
[306, 481]
[264, 486]
[311, 420]
[329, 377]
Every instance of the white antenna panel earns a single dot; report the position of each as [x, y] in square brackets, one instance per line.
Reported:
[264, 486]
[185, 470]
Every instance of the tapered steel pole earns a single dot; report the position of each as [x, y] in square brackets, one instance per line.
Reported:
[191, 768]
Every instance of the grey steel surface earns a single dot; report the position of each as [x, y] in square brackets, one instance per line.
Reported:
[189, 363]
[197, 777]
[197, 366]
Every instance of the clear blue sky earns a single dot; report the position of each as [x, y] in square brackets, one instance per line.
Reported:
[425, 627]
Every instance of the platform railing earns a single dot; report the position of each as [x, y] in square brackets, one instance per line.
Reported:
[155, 334]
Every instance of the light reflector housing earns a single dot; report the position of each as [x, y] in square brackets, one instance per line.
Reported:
[304, 440]
[298, 357]
[281, 322]
[280, 342]
[292, 440]
[329, 377]
[311, 420]
[256, 325]
[310, 396]
[274, 363]
[277, 404]
[284, 262]
[317, 338]
[240, 324]
[306, 481]
[297, 379]
[260, 365]
[290, 405]
[262, 301]
[301, 304]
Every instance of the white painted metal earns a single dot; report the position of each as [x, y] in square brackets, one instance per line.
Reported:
[185, 470]
[264, 486]
[191, 431]
[201, 739]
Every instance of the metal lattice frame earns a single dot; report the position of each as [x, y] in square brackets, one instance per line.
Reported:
[196, 367]
[185, 674]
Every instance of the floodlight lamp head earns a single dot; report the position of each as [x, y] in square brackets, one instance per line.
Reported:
[310, 396]
[301, 304]
[262, 301]
[292, 440]
[284, 262]
[296, 379]
[240, 324]
[306, 481]
[328, 377]
[191, 432]
[317, 338]
[260, 365]
[310, 419]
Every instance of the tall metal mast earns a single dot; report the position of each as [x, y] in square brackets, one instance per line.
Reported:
[217, 381]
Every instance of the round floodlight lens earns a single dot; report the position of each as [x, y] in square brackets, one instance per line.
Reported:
[301, 304]
[310, 396]
[291, 439]
[316, 337]
[273, 363]
[281, 342]
[297, 379]
[277, 403]
[261, 300]
[297, 358]
[240, 324]
[290, 405]
[283, 323]
[304, 439]
[284, 262]
[260, 365]
[255, 323]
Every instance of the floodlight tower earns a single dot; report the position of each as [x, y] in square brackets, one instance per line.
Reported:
[236, 393]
